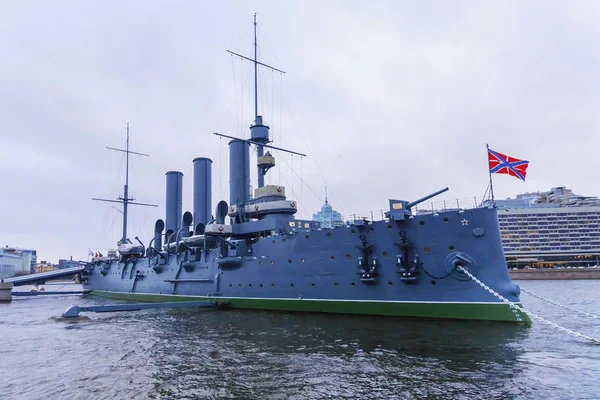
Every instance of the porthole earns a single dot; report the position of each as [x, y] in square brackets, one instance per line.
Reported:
[421, 222]
[312, 284]
[332, 257]
[272, 262]
[451, 247]
[353, 284]
[302, 259]
[272, 284]
[230, 285]
[427, 250]
[390, 284]
[349, 256]
[445, 219]
[260, 285]
[385, 253]
[389, 226]
[290, 261]
[291, 284]
[260, 263]
[371, 229]
[352, 231]
[307, 237]
[250, 285]
[336, 284]
[433, 282]
[328, 234]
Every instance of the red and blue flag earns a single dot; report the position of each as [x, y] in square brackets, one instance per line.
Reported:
[503, 164]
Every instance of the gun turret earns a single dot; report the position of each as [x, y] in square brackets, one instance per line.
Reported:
[422, 199]
[400, 209]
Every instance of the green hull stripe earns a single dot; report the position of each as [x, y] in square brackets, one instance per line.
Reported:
[477, 311]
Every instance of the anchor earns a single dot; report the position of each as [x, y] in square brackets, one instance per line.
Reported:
[409, 272]
[368, 269]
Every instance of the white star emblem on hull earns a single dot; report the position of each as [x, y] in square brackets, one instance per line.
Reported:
[465, 222]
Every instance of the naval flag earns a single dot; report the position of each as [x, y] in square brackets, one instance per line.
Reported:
[503, 164]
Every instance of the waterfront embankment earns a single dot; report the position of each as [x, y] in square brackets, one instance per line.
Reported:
[555, 273]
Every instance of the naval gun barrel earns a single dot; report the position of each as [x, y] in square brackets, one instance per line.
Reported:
[422, 199]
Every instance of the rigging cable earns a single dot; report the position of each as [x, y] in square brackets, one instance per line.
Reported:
[221, 167]
[310, 153]
[272, 95]
[242, 95]
[484, 194]
[287, 184]
[280, 114]
[237, 118]
[313, 158]
[309, 188]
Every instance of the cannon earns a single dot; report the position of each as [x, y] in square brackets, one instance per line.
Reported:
[400, 209]
[429, 196]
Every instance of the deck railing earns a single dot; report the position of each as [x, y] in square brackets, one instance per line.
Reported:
[423, 208]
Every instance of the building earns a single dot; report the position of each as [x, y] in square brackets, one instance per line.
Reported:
[44, 267]
[11, 262]
[16, 261]
[32, 260]
[547, 229]
[328, 217]
[67, 263]
[29, 260]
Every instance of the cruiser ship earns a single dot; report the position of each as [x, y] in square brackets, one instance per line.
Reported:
[253, 253]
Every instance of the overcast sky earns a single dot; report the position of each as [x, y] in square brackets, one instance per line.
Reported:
[390, 99]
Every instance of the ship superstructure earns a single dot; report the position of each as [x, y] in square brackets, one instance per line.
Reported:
[254, 252]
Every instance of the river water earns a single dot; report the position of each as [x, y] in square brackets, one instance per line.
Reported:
[198, 354]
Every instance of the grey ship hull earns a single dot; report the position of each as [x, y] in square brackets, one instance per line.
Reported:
[317, 270]
[264, 258]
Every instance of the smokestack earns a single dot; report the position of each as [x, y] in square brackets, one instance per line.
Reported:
[239, 171]
[202, 190]
[174, 200]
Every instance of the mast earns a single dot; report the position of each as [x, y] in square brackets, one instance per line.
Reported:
[126, 188]
[260, 180]
[490, 171]
[259, 133]
[125, 199]
[255, 75]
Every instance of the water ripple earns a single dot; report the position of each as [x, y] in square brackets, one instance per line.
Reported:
[198, 354]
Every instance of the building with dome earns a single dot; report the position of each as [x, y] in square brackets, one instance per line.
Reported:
[328, 217]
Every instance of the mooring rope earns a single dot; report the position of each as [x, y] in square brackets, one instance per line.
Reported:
[529, 313]
[560, 305]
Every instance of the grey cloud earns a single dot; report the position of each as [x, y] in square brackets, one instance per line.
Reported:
[394, 99]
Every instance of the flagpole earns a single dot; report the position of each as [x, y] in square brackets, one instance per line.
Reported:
[490, 172]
